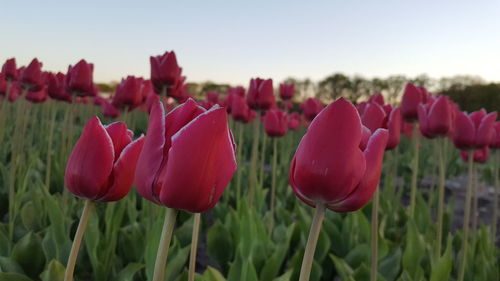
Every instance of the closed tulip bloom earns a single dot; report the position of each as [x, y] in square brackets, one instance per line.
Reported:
[287, 105]
[412, 97]
[109, 110]
[9, 68]
[31, 77]
[231, 92]
[128, 93]
[373, 116]
[361, 107]
[213, 97]
[435, 117]
[377, 98]
[287, 90]
[293, 121]
[393, 126]
[495, 142]
[169, 175]
[79, 79]
[14, 91]
[311, 107]
[275, 123]
[37, 96]
[102, 164]
[3, 84]
[179, 91]
[56, 87]
[474, 130]
[261, 94]
[164, 71]
[480, 155]
[329, 166]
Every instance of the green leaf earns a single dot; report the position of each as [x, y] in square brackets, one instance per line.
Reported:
[8, 265]
[176, 261]
[212, 274]
[273, 264]
[13, 277]
[390, 266]
[54, 272]
[343, 269]
[128, 273]
[414, 251]
[28, 253]
[220, 245]
[441, 269]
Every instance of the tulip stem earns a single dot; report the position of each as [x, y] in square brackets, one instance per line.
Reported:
[441, 194]
[495, 199]
[262, 159]
[49, 144]
[468, 195]
[240, 161]
[374, 238]
[194, 246]
[253, 161]
[414, 176]
[77, 241]
[166, 236]
[474, 201]
[273, 178]
[312, 240]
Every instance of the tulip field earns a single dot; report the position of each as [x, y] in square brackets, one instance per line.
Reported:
[154, 182]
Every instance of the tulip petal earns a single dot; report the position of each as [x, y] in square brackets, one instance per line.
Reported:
[485, 130]
[374, 155]
[151, 156]
[119, 135]
[328, 162]
[394, 128]
[123, 171]
[91, 161]
[201, 163]
[373, 116]
[464, 131]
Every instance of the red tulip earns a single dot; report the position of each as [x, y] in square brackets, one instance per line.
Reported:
[37, 96]
[495, 142]
[412, 97]
[377, 98]
[239, 91]
[102, 164]
[14, 91]
[165, 72]
[480, 155]
[293, 121]
[109, 110]
[179, 91]
[329, 166]
[3, 84]
[31, 77]
[261, 94]
[287, 105]
[275, 123]
[56, 87]
[9, 69]
[373, 116]
[361, 107]
[311, 107]
[393, 125]
[435, 117]
[240, 110]
[128, 93]
[79, 79]
[365, 137]
[474, 130]
[287, 91]
[231, 92]
[213, 97]
[169, 175]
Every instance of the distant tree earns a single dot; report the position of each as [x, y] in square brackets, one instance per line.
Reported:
[334, 86]
[359, 87]
[458, 82]
[395, 85]
[474, 97]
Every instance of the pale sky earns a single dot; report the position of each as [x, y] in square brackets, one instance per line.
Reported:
[232, 41]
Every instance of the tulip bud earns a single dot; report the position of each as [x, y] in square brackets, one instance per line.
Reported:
[240, 110]
[169, 175]
[128, 93]
[102, 164]
[31, 76]
[329, 166]
[37, 96]
[287, 91]
[435, 117]
[373, 116]
[109, 110]
[165, 72]
[479, 155]
[377, 98]
[412, 97]
[56, 87]
[9, 69]
[393, 125]
[293, 121]
[311, 107]
[261, 94]
[275, 123]
[79, 79]
[475, 130]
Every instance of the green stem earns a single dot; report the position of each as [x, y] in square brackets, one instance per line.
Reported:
[77, 241]
[374, 234]
[166, 236]
[253, 160]
[194, 246]
[240, 161]
[468, 195]
[495, 199]
[414, 176]
[262, 159]
[273, 178]
[312, 240]
[49, 145]
[474, 201]
[441, 190]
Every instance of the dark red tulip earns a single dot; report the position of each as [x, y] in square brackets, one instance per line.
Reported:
[474, 130]
[361, 107]
[275, 123]
[179, 91]
[373, 116]
[169, 175]
[213, 97]
[287, 90]
[480, 155]
[109, 110]
[231, 92]
[407, 129]
[3, 84]
[56, 87]
[377, 98]
[99, 101]
[37, 96]
[128, 93]
[261, 94]
[9, 69]
[240, 110]
[393, 125]
[79, 79]
[311, 107]
[412, 97]
[287, 105]
[329, 167]
[495, 142]
[31, 77]
[14, 91]
[165, 72]
[102, 164]
[293, 121]
[365, 137]
[239, 91]
[435, 117]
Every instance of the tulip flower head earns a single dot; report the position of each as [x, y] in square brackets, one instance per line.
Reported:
[329, 166]
[56, 87]
[435, 117]
[188, 157]
[37, 96]
[373, 116]
[102, 164]
[495, 141]
[393, 125]
[9, 69]
[165, 72]
[261, 94]
[480, 155]
[79, 79]
[275, 123]
[293, 121]
[475, 130]
[377, 98]
[109, 110]
[287, 90]
[311, 107]
[412, 97]
[31, 77]
[128, 93]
